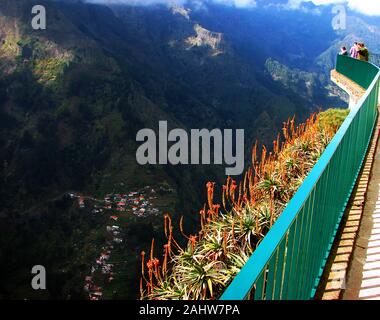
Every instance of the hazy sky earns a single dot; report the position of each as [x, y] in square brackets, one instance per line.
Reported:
[369, 7]
[237, 3]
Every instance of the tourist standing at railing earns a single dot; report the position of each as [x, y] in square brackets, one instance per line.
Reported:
[363, 53]
[343, 51]
[354, 52]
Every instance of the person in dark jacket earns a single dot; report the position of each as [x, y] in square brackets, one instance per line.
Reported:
[343, 51]
[363, 53]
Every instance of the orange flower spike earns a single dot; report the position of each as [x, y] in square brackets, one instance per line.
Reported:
[156, 262]
[270, 163]
[168, 226]
[228, 184]
[224, 192]
[233, 186]
[239, 198]
[216, 208]
[263, 155]
[245, 199]
[285, 132]
[170, 238]
[181, 224]
[210, 214]
[210, 193]
[251, 186]
[257, 170]
[165, 263]
[202, 214]
[142, 262]
[181, 228]
[170, 221]
[150, 272]
[292, 125]
[254, 153]
[255, 182]
[152, 249]
[232, 190]
[245, 181]
[149, 264]
[170, 247]
[165, 225]
[193, 241]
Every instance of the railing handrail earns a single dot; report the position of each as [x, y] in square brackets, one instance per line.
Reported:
[243, 283]
[351, 68]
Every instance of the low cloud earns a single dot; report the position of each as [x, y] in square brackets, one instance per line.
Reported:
[236, 3]
[138, 2]
[367, 7]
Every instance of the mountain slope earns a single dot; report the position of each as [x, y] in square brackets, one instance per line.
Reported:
[72, 99]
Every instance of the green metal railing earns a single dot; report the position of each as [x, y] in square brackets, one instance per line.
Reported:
[288, 263]
[361, 72]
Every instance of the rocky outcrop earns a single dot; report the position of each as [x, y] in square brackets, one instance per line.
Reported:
[206, 38]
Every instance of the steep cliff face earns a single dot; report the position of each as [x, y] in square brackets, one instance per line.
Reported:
[313, 86]
[206, 38]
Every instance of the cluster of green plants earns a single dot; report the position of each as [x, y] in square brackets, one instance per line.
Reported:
[231, 230]
[333, 117]
[47, 70]
[10, 46]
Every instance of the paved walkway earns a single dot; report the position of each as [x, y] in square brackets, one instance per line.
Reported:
[363, 279]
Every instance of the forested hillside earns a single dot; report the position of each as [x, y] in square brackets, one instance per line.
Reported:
[72, 100]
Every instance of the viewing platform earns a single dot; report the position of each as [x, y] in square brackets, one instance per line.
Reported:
[354, 90]
[326, 243]
[353, 269]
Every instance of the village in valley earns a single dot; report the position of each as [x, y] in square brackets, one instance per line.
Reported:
[116, 208]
